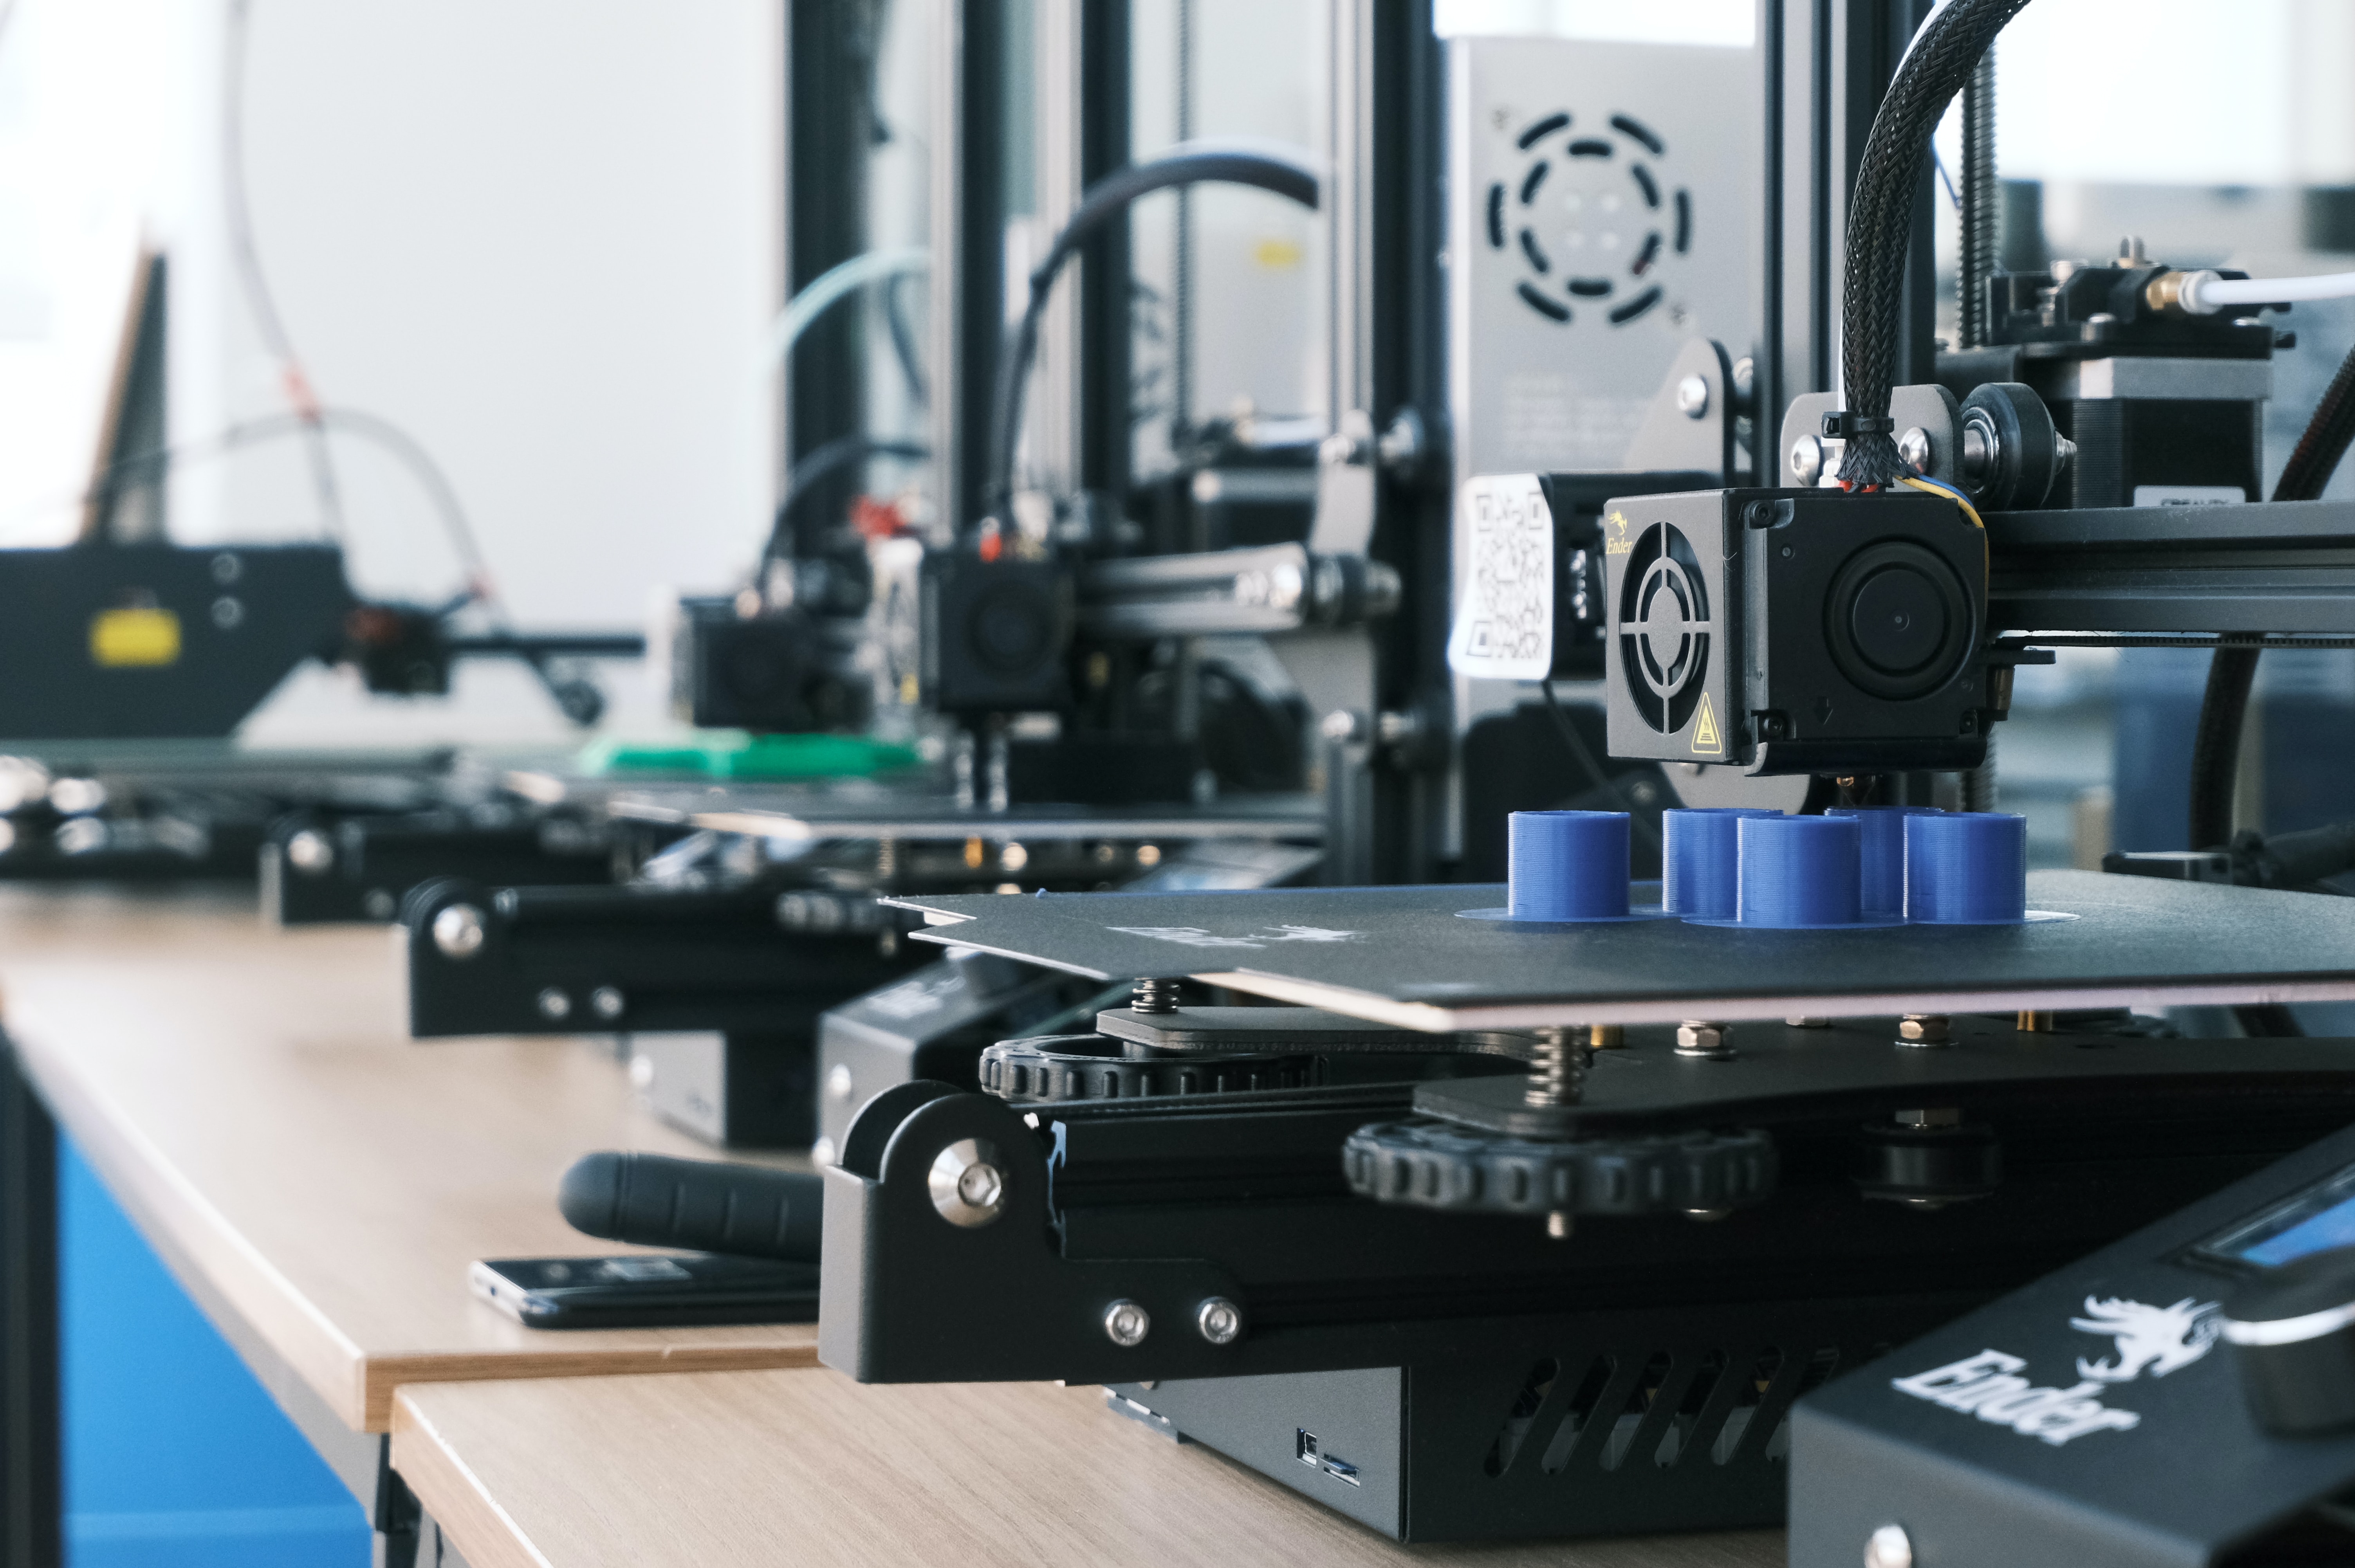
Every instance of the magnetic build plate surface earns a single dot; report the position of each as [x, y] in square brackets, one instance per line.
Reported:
[1399, 955]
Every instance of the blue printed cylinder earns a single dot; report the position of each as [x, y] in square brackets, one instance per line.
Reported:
[1700, 854]
[1800, 872]
[1881, 866]
[1966, 868]
[1567, 865]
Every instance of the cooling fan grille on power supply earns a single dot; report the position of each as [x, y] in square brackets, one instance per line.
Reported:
[1597, 231]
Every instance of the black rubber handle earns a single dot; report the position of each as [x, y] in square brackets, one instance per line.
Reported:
[703, 1205]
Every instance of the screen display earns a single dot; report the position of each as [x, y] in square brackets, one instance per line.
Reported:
[2315, 1220]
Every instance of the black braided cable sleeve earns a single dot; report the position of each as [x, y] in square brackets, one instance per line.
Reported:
[1943, 57]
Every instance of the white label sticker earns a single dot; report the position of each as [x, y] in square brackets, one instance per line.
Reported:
[1504, 625]
[2189, 495]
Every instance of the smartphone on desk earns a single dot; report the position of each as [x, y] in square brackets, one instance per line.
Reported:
[645, 1291]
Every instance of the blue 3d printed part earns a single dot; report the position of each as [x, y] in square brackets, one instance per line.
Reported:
[1801, 873]
[1700, 859]
[1565, 868]
[1966, 868]
[1882, 864]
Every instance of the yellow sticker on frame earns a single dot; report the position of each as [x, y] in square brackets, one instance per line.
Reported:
[135, 639]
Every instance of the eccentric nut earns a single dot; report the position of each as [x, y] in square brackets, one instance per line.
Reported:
[458, 931]
[1126, 1324]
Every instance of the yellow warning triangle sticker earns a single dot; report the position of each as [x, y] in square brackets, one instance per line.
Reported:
[1704, 736]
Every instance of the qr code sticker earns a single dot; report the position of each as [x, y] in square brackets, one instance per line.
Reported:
[1504, 626]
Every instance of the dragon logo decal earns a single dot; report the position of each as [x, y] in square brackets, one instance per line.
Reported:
[2154, 1339]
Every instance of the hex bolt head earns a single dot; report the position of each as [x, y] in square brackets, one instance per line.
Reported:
[311, 853]
[1220, 1319]
[1697, 1037]
[458, 931]
[1890, 1547]
[967, 1183]
[607, 1002]
[1806, 460]
[1923, 1030]
[1126, 1324]
[554, 1005]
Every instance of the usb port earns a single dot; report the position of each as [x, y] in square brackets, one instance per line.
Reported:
[1341, 1472]
[1304, 1446]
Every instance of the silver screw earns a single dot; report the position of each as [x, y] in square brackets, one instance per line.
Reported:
[554, 1005]
[1220, 1319]
[837, 1082]
[1890, 1547]
[606, 1002]
[967, 1183]
[1913, 447]
[1923, 1031]
[1558, 1225]
[1707, 1216]
[1808, 459]
[1154, 995]
[1692, 397]
[642, 1072]
[1699, 1037]
[378, 904]
[1126, 1324]
[310, 852]
[458, 931]
[1805, 1021]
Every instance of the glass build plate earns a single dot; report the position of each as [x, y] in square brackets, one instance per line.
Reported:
[1399, 955]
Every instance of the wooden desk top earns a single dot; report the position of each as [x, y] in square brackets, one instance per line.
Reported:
[773, 1468]
[251, 1099]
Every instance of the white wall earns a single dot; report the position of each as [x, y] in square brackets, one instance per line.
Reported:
[2179, 93]
[542, 236]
